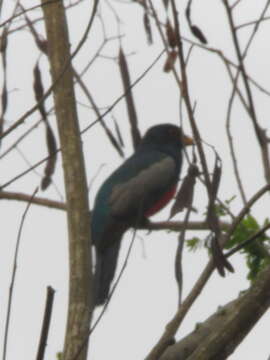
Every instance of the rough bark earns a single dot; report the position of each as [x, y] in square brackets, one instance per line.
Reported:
[79, 310]
[218, 336]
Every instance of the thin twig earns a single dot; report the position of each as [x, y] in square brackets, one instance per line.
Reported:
[248, 241]
[36, 20]
[85, 341]
[121, 97]
[230, 141]
[234, 90]
[89, 96]
[250, 23]
[19, 139]
[109, 109]
[42, 161]
[214, 225]
[6, 195]
[178, 258]
[227, 61]
[163, 38]
[176, 321]
[23, 12]
[237, 2]
[174, 324]
[46, 323]
[246, 209]
[13, 276]
[64, 69]
[258, 130]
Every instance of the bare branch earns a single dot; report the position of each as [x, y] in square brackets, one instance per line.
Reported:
[109, 134]
[5, 195]
[236, 325]
[263, 143]
[174, 324]
[46, 323]
[13, 277]
[219, 335]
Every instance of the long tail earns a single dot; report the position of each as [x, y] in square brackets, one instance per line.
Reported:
[106, 262]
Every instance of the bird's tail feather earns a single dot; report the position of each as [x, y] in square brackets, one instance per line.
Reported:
[106, 262]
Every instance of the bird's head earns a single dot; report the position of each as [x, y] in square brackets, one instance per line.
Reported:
[166, 137]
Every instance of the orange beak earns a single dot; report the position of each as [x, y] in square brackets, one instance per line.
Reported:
[186, 140]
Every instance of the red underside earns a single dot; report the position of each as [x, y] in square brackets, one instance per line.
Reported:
[162, 202]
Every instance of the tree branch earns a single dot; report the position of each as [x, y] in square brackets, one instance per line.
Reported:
[260, 134]
[174, 324]
[219, 335]
[46, 323]
[7, 195]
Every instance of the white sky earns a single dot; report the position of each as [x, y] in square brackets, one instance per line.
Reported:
[146, 297]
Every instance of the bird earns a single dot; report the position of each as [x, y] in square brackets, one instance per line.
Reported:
[138, 189]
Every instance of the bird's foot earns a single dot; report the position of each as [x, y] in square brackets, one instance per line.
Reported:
[144, 222]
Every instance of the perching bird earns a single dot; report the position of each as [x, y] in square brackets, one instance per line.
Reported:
[139, 188]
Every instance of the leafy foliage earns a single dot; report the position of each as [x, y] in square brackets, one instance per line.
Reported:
[222, 209]
[257, 256]
[256, 253]
[194, 243]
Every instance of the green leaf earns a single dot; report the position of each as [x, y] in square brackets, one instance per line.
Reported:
[193, 244]
[257, 256]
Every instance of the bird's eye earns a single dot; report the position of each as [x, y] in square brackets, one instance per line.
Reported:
[174, 132]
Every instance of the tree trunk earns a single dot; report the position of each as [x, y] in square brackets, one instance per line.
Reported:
[79, 310]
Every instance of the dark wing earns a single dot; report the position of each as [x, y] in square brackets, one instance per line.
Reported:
[143, 189]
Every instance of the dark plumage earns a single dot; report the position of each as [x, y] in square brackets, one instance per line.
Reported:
[139, 188]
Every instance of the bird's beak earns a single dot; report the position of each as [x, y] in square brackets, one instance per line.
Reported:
[186, 140]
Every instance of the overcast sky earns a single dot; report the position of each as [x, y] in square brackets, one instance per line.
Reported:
[146, 298]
